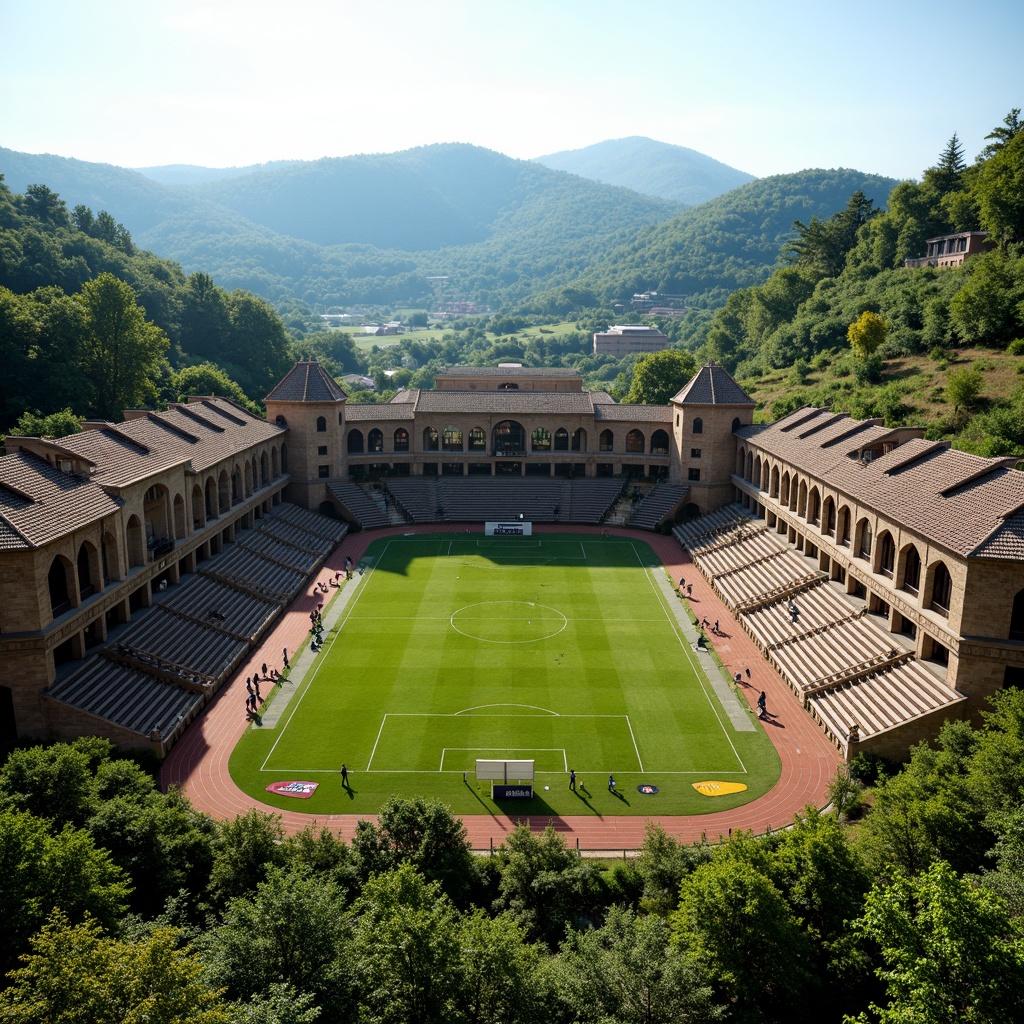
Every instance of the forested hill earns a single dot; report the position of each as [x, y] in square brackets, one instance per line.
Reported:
[731, 242]
[651, 167]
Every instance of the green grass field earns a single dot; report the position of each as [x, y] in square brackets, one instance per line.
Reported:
[561, 648]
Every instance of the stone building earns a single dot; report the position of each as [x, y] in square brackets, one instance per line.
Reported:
[98, 528]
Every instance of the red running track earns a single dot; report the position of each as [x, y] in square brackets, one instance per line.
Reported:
[198, 763]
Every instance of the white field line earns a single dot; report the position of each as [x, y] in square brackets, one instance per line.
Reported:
[685, 647]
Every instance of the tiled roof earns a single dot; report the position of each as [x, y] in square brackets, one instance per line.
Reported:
[507, 371]
[634, 413]
[201, 433]
[307, 382]
[713, 385]
[506, 403]
[962, 502]
[39, 504]
[389, 412]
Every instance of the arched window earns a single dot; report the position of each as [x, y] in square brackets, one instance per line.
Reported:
[828, 517]
[355, 442]
[86, 583]
[478, 440]
[136, 541]
[784, 492]
[887, 554]
[1017, 617]
[942, 589]
[606, 442]
[509, 438]
[749, 474]
[430, 439]
[741, 461]
[912, 570]
[451, 439]
[774, 492]
[635, 442]
[561, 440]
[801, 509]
[813, 507]
[321, 424]
[375, 440]
[540, 440]
[698, 426]
[864, 539]
[60, 586]
[223, 492]
[659, 442]
[843, 526]
[401, 440]
[736, 424]
[579, 440]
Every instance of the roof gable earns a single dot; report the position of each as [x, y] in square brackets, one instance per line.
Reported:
[713, 385]
[307, 381]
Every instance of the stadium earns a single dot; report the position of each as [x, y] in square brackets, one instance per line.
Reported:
[872, 582]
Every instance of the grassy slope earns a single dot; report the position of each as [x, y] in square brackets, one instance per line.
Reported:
[616, 652]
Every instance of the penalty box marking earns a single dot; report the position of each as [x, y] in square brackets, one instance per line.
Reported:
[463, 718]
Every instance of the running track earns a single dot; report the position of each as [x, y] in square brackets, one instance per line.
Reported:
[198, 762]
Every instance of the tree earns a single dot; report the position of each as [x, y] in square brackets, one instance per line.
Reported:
[407, 950]
[46, 206]
[57, 424]
[963, 388]
[950, 956]
[121, 349]
[989, 308]
[1001, 135]
[659, 376]
[945, 176]
[735, 923]
[75, 974]
[1000, 192]
[663, 863]
[628, 971]
[866, 334]
[207, 379]
[294, 929]
[504, 978]
[43, 869]
[246, 849]
[423, 833]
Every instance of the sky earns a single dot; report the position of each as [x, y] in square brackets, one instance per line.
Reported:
[768, 88]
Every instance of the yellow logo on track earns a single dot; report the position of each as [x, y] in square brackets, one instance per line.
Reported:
[718, 788]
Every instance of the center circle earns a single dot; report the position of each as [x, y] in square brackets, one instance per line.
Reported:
[508, 622]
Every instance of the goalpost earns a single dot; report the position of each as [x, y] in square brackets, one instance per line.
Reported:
[498, 774]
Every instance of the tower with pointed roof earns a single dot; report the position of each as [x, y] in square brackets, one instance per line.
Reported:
[704, 415]
[311, 404]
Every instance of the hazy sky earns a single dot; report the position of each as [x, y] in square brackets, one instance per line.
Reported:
[766, 87]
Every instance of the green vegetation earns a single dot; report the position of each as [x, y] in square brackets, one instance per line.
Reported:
[125, 904]
[555, 649]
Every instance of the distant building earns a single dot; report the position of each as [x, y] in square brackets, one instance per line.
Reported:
[952, 250]
[623, 340]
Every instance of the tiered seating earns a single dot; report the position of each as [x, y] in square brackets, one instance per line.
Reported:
[312, 522]
[745, 547]
[165, 640]
[657, 505]
[222, 607]
[469, 499]
[822, 605]
[128, 697]
[881, 701]
[361, 506]
[722, 519]
[772, 574]
[592, 499]
[297, 537]
[416, 496]
[249, 570]
[265, 544]
[834, 650]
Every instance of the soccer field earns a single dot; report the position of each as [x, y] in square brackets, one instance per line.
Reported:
[564, 649]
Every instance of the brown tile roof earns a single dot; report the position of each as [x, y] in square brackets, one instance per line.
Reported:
[201, 434]
[389, 412]
[962, 502]
[713, 385]
[508, 371]
[40, 504]
[506, 403]
[634, 413]
[307, 382]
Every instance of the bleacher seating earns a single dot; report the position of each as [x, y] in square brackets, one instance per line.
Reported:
[847, 669]
[209, 600]
[154, 675]
[416, 497]
[659, 503]
[364, 509]
[128, 697]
